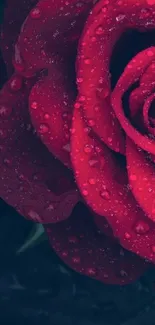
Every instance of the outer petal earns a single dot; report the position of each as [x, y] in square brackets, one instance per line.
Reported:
[14, 15]
[32, 180]
[50, 30]
[89, 252]
[51, 103]
[97, 173]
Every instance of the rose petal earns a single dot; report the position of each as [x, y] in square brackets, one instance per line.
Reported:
[33, 181]
[14, 14]
[93, 78]
[89, 252]
[55, 94]
[131, 74]
[107, 22]
[141, 177]
[96, 172]
[51, 102]
[49, 31]
[146, 87]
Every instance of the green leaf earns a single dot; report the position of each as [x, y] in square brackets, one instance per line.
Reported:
[36, 236]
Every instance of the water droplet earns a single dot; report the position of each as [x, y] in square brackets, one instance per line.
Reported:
[97, 108]
[15, 83]
[85, 192]
[141, 227]
[76, 259]
[34, 105]
[44, 128]
[144, 13]
[105, 275]
[87, 148]
[46, 116]
[77, 105]
[91, 271]
[5, 110]
[105, 195]
[133, 177]
[87, 61]
[153, 248]
[93, 163]
[104, 92]
[99, 30]
[64, 253]
[98, 149]
[50, 207]
[127, 235]
[79, 80]
[22, 177]
[7, 161]
[92, 181]
[82, 98]
[35, 13]
[120, 18]
[3, 134]
[31, 213]
[72, 130]
[150, 53]
[123, 273]
[18, 61]
[67, 147]
[91, 122]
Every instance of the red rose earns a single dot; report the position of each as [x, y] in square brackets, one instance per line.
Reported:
[57, 139]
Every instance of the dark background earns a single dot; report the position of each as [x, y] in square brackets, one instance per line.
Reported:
[37, 288]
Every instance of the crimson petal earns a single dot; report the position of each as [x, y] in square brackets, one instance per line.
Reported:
[33, 181]
[51, 102]
[107, 22]
[93, 78]
[89, 252]
[96, 172]
[47, 27]
[146, 87]
[141, 173]
[49, 31]
[133, 71]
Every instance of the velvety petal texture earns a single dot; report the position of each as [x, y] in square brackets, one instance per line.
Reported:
[123, 194]
[67, 136]
[33, 181]
[85, 249]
